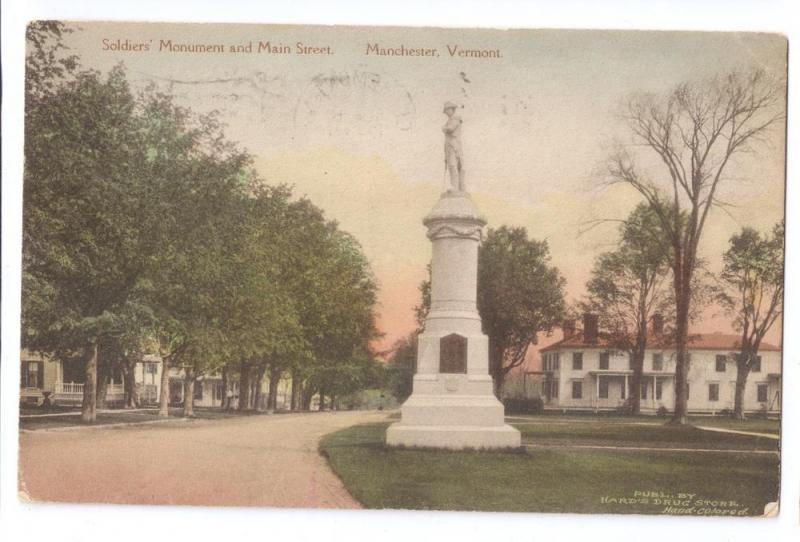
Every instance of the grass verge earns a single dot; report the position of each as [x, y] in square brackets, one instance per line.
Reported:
[550, 480]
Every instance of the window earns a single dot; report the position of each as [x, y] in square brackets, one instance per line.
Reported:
[577, 361]
[198, 391]
[713, 392]
[644, 390]
[603, 388]
[554, 392]
[721, 362]
[604, 361]
[32, 376]
[623, 391]
[630, 361]
[151, 368]
[658, 389]
[757, 365]
[577, 389]
[550, 361]
[762, 393]
[658, 361]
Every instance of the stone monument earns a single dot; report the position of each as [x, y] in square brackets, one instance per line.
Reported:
[452, 404]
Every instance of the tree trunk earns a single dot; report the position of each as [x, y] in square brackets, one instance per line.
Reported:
[296, 390]
[682, 300]
[321, 400]
[244, 386]
[188, 393]
[308, 395]
[89, 404]
[103, 376]
[333, 402]
[636, 384]
[224, 400]
[742, 372]
[638, 368]
[272, 395]
[163, 399]
[496, 352]
[258, 385]
[128, 380]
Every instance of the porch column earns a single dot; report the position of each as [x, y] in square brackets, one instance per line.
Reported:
[654, 391]
[597, 391]
[627, 388]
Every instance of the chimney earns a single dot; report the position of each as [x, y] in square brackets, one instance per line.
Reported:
[590, 327]
[568, 328]
[658, 324]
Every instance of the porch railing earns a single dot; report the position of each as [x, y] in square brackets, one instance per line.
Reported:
[74, 390]
[68, 388]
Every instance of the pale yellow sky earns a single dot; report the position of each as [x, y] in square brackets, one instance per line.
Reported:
[360, 134]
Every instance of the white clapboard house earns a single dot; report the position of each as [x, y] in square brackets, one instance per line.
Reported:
[62, 383]
[582, 372]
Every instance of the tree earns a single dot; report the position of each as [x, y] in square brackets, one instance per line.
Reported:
[753, 276]
[83, 249]
[520, 295]
[143, 226]
[694, 132]
[402, 366]
[628, 287]
[197, 189]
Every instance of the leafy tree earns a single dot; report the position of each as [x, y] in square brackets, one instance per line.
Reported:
[421, 310]
[694, 132]
[402, 366]
[628, 286]
[753, 277]
[144, 225]
[47, 66]
[83, 250]
[519, 296]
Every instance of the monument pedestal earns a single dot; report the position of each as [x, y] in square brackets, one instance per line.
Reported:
[453, 404]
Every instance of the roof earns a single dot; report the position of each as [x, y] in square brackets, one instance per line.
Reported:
[697, 341]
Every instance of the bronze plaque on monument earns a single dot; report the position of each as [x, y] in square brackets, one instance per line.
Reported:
[453, 354]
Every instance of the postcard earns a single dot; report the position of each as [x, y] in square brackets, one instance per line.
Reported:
[403, 268]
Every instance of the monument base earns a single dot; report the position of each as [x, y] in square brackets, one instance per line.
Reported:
[474, 419]
[455, 437]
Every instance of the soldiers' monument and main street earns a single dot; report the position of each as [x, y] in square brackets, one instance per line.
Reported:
[452, 404]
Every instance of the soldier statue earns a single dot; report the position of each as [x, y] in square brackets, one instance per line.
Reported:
[453, 154]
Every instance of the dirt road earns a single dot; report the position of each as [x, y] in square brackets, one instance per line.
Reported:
[251, 461]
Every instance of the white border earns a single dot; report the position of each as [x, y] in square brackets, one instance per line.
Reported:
[122, 523]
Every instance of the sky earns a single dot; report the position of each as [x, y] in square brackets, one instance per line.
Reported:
[360, 134]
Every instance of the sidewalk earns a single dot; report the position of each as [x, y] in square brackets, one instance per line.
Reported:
[59, 421]
[738, 432]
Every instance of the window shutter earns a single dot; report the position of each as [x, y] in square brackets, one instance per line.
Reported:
[23, 375]
[40, 376]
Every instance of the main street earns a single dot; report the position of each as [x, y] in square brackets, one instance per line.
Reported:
[248, 461]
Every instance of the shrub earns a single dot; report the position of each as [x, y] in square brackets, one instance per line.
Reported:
[662, 412]
[523, 405]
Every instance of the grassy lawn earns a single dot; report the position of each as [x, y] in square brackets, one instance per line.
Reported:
[602, 433]
[754, 424]
[550, 480]
[751, 424]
